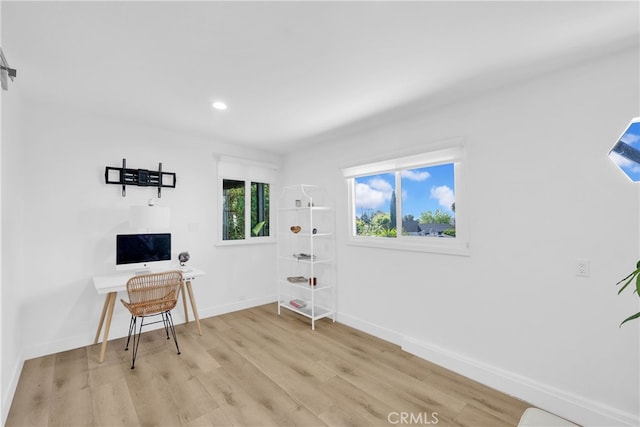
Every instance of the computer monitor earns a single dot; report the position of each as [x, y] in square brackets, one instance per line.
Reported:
[143, 252]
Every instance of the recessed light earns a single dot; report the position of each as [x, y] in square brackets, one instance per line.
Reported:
[219, 105]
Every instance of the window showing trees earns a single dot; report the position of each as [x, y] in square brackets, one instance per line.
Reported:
[375, 200]
[237, 223]
[426, 208]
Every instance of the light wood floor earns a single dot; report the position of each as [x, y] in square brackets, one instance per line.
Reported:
[253, 368]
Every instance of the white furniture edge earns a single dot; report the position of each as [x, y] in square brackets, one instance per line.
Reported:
[117, 282]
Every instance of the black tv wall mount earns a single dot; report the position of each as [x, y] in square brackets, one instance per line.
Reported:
[141, 177]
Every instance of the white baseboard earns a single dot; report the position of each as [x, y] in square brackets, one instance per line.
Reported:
[570, 406]
[370, 328]
[52, 347]
[236, 306]
[70, 343]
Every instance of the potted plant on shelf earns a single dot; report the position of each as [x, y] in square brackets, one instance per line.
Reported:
[634, 276]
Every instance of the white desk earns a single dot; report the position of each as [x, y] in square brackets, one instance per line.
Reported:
[111, 284]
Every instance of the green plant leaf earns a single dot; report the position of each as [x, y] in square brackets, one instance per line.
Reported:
[256, 229]
[635, 316]
[628, 279]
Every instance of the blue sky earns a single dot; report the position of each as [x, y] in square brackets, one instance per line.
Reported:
[631, 137]
[423, 189]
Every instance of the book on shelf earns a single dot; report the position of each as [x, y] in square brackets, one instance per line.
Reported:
[297, 303]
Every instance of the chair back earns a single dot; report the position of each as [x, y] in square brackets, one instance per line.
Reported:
[153, 293]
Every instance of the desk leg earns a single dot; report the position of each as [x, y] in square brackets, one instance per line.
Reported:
[107, 326]
[184, 303]
[193, 306]
[107, 298]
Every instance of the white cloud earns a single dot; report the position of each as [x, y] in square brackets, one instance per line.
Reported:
[381, 185]
[631, 139]
[413, 175]
[444, 195]
[374, 194]
[624, 163]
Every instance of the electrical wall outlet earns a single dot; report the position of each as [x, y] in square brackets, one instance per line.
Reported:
[582, 267]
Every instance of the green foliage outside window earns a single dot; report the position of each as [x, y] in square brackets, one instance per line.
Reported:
[233, 215]
[259, 209]
[233, 210]
[378, 224]
[437, 217]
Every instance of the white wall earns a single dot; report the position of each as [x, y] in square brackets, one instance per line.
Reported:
[542, 193]
[60, 220]
[12, 168]
[2, 418]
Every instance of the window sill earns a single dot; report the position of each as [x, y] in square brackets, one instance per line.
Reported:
[439, 247]
[245, 242]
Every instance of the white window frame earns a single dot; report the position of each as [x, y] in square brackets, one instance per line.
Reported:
[249, 171]
[452, 152]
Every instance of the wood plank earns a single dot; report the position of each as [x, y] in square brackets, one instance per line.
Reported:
[70, 397]
[72, 407]
[213, 418]
[268, 389]
[299, 380]
[235, 401]
[364, 406]
[30, 406]
[472, 416]
[112, 404]
[492, 402]
[150, 394]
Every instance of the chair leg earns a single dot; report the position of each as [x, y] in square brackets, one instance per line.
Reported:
[136, 343]
[173, 330]
[165, 321]
[132, 328]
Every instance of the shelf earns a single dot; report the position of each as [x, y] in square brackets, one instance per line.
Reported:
[301, 234]
[306, 208]
[305, 285]
[316, 235]
[306, 261]
[318, 311]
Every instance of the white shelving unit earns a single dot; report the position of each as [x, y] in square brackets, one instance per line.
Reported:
[306, 259]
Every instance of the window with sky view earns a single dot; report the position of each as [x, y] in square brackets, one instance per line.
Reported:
[425, 208]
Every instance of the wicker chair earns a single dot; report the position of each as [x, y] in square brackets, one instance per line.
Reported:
[153, 294]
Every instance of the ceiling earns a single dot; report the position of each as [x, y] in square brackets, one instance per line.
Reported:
[291, 71]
